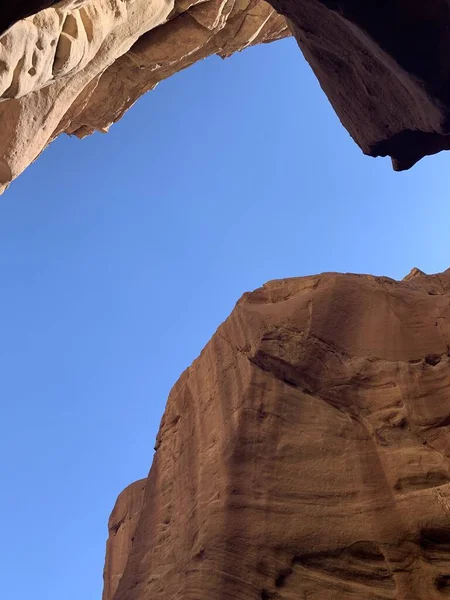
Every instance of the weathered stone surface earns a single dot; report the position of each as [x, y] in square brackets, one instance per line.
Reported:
[186, 39]
[121, 527]
[77, 66]
[19, 9]
[304, 454]
[384, 67]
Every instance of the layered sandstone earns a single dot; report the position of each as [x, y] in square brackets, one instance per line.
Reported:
[304, 455]
[78, 65]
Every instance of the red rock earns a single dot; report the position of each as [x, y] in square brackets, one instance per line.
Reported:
[304, 454]
[121, 527]
[384, 67]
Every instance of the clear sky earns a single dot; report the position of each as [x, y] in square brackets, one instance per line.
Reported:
[121, 254]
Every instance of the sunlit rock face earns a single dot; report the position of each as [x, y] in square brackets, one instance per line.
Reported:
[77, 66]
[303, 455]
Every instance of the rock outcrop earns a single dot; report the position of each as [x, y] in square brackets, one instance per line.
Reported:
[304, 454]
[121, 528]
[384, 67]
[78, 65]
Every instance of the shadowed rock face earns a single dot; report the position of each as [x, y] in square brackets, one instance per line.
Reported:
[383, 65]
[304, 454]
[14, 10]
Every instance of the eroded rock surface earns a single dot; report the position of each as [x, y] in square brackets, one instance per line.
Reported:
[384, 67]
[305, 453]
[19, 9]
[121, 528]
[78, 65]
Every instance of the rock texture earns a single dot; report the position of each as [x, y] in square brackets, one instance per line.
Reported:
[383, 65]
[121, 528]
[19, 9]
[78, 65]
[304, 455]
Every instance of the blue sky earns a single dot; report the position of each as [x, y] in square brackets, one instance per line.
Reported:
[121, 254]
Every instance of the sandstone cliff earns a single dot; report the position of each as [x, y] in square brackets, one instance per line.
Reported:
[304, 455]
[384, 67]
[77, 65]
[121, 528]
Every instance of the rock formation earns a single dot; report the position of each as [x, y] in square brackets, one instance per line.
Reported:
[304, 455]
[78, 65]
[121, 527]
[383, 65]
[19, 9]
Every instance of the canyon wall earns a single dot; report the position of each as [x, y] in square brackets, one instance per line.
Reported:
[383, 65]
[76, 66]
[304, 455]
